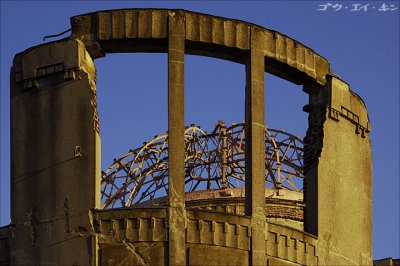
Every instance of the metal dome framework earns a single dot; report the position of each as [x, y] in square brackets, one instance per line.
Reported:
[213, 160]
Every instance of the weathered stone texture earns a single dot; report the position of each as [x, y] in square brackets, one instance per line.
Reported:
[55, 156]
[339, 185]
[255, 147]
[207, 234]
[207, 33]
[54, 144]
[176, 142]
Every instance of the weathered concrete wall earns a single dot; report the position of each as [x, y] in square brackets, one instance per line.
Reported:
[55, 153]
[132, 236]
[134, 30]
[339, 184]
[287, 209]
[5, 245]
[140, 236]
[286, 246]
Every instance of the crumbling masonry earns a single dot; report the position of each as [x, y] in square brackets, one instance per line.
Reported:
[65, 211]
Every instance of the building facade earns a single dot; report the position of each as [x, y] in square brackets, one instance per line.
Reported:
[65, 210]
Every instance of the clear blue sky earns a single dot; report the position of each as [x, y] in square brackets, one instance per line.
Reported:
[362, 47]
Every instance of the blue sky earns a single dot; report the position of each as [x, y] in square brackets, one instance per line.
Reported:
[360, 41]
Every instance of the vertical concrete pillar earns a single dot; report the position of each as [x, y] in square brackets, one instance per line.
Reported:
[339, 175]
[176, 141]
[55, 155]
[255, 147]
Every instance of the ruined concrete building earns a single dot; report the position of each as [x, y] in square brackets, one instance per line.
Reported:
[230, 197]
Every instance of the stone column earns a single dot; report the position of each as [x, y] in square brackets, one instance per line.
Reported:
[176, 144]
[255, 147]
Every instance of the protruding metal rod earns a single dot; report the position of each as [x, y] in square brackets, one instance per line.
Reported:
[55, 35]
[224, 156]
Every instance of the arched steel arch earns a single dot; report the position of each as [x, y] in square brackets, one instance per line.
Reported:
[213, 160]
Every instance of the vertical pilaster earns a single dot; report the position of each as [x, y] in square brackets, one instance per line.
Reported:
[255, 148]
[176, 144]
